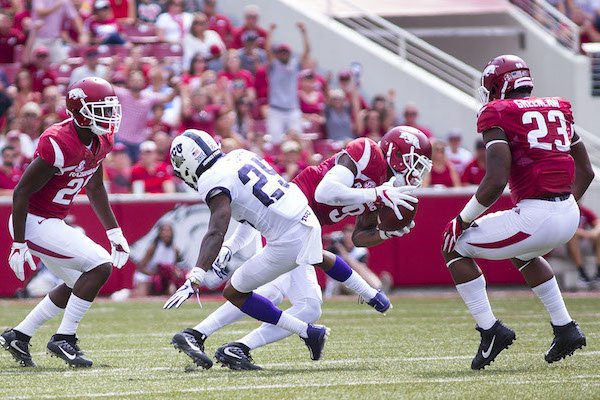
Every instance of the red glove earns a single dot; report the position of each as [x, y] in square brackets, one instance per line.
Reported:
[451, 233]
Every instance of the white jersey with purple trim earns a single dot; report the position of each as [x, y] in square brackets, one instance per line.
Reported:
[259, 196]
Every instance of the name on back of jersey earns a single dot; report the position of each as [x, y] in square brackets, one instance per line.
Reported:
[533, 103]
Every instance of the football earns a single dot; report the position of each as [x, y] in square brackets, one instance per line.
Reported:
[389, 222]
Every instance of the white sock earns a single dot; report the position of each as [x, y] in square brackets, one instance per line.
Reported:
[475, 297]
[356, 283]
[308, 311]
[44, 311]
[293, 324]
[549, 294]
[75, 310]
[222, 316]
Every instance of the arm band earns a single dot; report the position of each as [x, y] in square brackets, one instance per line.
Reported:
[243, 235]
[335, 189]
[473, 209]
[491, 142]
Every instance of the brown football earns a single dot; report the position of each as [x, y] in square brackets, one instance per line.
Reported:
[389, 222]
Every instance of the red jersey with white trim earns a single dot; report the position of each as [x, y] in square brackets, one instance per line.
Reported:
[372, 172]
[60, 146]
[539, 132]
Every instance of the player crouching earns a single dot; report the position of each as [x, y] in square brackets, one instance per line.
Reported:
[68, 158]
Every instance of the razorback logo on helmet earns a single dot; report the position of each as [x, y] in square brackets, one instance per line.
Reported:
[489, 70]
[77, 93]
[410, 139]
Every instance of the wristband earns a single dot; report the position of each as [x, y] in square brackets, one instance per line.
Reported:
[472, 210]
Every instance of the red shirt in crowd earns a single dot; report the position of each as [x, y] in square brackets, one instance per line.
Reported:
[442, 178]
[261, 84]
[203, 120]
[473, 173]
[242, 74]
[587, 218]
[101, 30]
[42, 78]
[120, 8]
[70, 27]
[312, 108]
[237, 35]
[8, 41]
[9, 180]
[222, 25]
[153, 182]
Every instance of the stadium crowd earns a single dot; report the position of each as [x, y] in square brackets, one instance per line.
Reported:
[180, 64]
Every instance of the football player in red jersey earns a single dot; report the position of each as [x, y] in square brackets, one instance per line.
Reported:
[348, 184]
[68, 158]
[531, 144]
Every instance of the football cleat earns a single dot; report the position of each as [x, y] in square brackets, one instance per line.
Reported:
[567, 339]
[317, 335]
[191, 342]
[236, 356]
[19, 349]
[493, 341]
[380, 302]
[65, 347]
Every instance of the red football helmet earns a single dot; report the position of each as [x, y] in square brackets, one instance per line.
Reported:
[502, 75]
[92, 103]
[408, 154]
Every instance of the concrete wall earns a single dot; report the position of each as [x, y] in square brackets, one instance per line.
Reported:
[335, 46]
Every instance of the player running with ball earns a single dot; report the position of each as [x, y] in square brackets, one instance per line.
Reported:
[530, 144]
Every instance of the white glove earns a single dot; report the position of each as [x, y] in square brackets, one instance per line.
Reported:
[119, 247]
[181, 295]
[220, 263]
[393, 197]
[19, 255]
[390, 234]
[197, 276]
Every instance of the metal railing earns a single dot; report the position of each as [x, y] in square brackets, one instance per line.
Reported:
[406, 45]
[552, 21]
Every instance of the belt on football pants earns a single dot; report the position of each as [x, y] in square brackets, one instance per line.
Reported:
[558, 198]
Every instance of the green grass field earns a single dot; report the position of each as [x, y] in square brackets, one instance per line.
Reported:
[421, 350]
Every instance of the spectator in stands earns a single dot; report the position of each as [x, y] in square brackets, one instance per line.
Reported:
[118, 170]
[158, 85]
[17, 140]
[586, 236]
[233, 71]
[193, 76]
[135, 61]
[173, 24]
[124, 11]
[350, 86]
[148, 11]
[157, 271]
[442, 172]
[338, 117]
[224, 122]
[290, 162]
[156, 122]
[47, 18]
[411, 114]
[22, 91]
[53, 103]
[70, 34]
[244, 123]
[251, 17]
[369, 124]
[200, 39]
[9, 39]
[284, 109]
[251, 55]
[135, 109]
[385, 106]
[458, 156]
[39, 66]
[150, 174]
[312, 101]
[197, 111]
[218, 22]
[475, 170]
[30, 122]
[9, 175]
[321, 82]
[215, 61]
[90, 67]
[103, 27]
[163, 146]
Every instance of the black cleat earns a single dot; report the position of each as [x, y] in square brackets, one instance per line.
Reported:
[17, 348]
[191, 342]
[493, 341]
[317, 335]
[65, 347]
[236, 356]
[567, 339]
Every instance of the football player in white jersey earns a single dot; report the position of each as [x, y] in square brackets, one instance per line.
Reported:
[240, 185]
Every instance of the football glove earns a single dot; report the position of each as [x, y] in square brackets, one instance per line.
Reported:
[393, 197]
[181, 295]
[390, 234]
[220, 263]
[452, 232]
[119, 247]
[19, 255]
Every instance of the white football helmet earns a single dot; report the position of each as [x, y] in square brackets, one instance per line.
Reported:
[192, 153]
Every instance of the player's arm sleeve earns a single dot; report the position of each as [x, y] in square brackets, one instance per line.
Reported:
[48, 149]
[488, 118]
[335, 189]
[243, 235]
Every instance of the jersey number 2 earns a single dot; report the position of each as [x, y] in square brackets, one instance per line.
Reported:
[259, 169]
[562, 143]
[65, 196]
